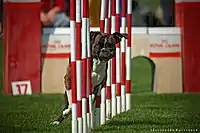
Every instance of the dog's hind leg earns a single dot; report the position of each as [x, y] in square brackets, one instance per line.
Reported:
[67, 98]
[65, 112]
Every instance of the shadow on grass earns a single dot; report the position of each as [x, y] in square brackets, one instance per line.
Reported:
[116, 125]
[134, 122]
[10, 128]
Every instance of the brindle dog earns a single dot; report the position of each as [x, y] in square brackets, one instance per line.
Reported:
[103, 48]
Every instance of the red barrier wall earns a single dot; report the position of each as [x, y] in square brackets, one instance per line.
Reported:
[22, 38]
[188, 18]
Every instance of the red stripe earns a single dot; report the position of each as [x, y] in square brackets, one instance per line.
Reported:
[118, 89]
[84, 8]
[78, 41]
[123, 69]
[79, 106]
[128, 86]
[117, 22]
[84, 70]
[73, 82]
[87, 7]
[108, 92]
[113, 7]
[106, 15]
[59, 55]
[129, 20]
[98, 101]
[72, 10]
[118, 27]
[123, 8]
[118, 45]
[102, 25]
[114, 70]
[161, 55]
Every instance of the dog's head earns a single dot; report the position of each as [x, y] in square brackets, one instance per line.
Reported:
[104, 45]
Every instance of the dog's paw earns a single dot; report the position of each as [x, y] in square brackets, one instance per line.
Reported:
[55, 123]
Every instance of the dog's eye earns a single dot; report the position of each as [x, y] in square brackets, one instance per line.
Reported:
[101, 42]
[108, 45]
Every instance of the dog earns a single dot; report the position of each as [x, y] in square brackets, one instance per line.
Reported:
[103, 48]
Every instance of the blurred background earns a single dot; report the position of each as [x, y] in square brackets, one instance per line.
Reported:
[146, 13]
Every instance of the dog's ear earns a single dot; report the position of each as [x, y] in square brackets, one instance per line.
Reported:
[118, 36]
[93, 35]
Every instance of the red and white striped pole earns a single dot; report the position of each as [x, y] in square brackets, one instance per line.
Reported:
[123, 58]
[79, 65]
[128, 57]
[118, 59]
[98, 97]
[104, 29]
[103, 106]
[102, 15]
[106, 16]
[84, 65]
[113, 87]
[73, 64]
[108, 83]
[89, 78]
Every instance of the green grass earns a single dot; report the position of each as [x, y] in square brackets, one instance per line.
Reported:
[159, 112]
[22, 114]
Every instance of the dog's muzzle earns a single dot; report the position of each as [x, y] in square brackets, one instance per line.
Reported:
[107, 53]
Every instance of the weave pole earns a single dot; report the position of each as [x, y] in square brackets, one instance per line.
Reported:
[123, 58]
[118, 59]
[103, 90]
[103, 106]
[84, 65]
[108, 83]
[79, 65]
[128, 57]
[89, 68]
[73, 65]
[113, 71]
[99, 110]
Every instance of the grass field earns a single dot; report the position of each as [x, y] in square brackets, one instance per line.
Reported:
[149, 111]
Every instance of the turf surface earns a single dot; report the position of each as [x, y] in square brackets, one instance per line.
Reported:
[33, 114]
